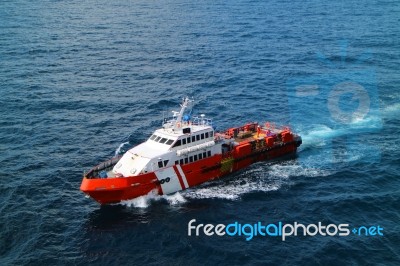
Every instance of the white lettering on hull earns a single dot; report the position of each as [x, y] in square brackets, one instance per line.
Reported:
[169, 180]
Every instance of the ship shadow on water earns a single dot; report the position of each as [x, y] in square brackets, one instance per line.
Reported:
[112, 217]
[109, 217]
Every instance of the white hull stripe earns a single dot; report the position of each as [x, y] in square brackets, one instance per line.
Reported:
[182, 175]
[169, 180]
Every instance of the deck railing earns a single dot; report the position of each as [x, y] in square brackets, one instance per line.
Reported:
[94, 172]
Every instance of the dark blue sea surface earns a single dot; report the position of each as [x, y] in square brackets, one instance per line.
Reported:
[83, 80]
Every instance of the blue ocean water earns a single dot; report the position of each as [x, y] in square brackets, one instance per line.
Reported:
[83, 80]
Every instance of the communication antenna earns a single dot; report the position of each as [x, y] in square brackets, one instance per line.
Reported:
[163, 118]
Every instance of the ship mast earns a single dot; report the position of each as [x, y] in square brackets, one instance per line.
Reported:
[176, 121]
[184, 105]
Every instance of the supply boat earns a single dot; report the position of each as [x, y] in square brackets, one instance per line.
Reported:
[184, 153]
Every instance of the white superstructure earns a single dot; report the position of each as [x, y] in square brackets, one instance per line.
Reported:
[181, 140]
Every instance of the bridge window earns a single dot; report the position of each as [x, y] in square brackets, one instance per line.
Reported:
[165, 162]
[169, 142]
[211, 134]
[206, 135]
[163, 140]
[191, 159]
[157, 139]
[188, 140]
[197, 137]
[177, 143]
[183, 141]
[193, 138]
[186, 160]
[181, 161]
[160, 165]
[204, 154]
[209, 153]
[195, 157]
[200, 156]
[176, 162]
[153, 137]
[202, 135]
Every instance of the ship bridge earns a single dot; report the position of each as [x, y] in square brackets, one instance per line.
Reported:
[179, 136]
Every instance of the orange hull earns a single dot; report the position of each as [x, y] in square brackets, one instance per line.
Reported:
[114, 190]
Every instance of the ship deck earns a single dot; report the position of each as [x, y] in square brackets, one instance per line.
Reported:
[244, 137]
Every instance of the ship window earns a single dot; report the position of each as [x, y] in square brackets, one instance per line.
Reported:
[165, 162]
[176, 162]
[183, 141]
[209, 153]
[177, 143]
[181, 161]
[186, 160]
[157, 139]
[160, 164]
[211, 134]
[206, 135]
[202, 135]
[153, 137]
[197, 137]
[163, 140]
[188, 140]
[169, 142]
[204, 154]
[200, 156]
[195, 157]
[191, 159]
[193, 138]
